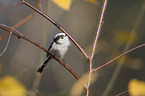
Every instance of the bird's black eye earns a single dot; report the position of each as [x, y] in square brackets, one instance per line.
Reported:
[62, 37]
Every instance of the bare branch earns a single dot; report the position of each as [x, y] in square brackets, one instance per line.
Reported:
[121, 93]
[139, 46]
[98, 28]
[11, 6]
[90, 59]
[6, 44]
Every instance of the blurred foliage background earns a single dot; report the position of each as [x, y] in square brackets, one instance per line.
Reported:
[123, 26]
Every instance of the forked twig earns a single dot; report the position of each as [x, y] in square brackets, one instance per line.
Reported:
[8, 38]
[90, 60]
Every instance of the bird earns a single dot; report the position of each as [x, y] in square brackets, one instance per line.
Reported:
[58, 47]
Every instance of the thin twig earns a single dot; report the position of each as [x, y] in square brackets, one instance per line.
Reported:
[122, 93]
[57, 25]
[139, 46]
[11, 6]
[6, 44]
[99, 28]
[38, 45]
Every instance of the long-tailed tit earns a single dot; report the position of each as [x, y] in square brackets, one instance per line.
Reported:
[58, 48]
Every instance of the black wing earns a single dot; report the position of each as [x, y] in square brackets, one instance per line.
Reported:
[50, 47]
[55, 40]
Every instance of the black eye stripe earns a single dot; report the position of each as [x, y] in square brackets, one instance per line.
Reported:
[57, 38]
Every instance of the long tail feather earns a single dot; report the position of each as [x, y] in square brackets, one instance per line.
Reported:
[43, 64]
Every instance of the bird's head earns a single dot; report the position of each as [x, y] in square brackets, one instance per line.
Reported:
[61, 38]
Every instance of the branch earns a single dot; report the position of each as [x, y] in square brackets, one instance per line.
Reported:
[6, 44]
[139, 46]
[38, 45]
[99, 28]
[122, 93]
[11, 6]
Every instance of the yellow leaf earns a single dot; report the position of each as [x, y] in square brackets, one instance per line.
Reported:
[77, 88]
[92, 1]
[64, 4]
[9, 86]
[136, 88]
